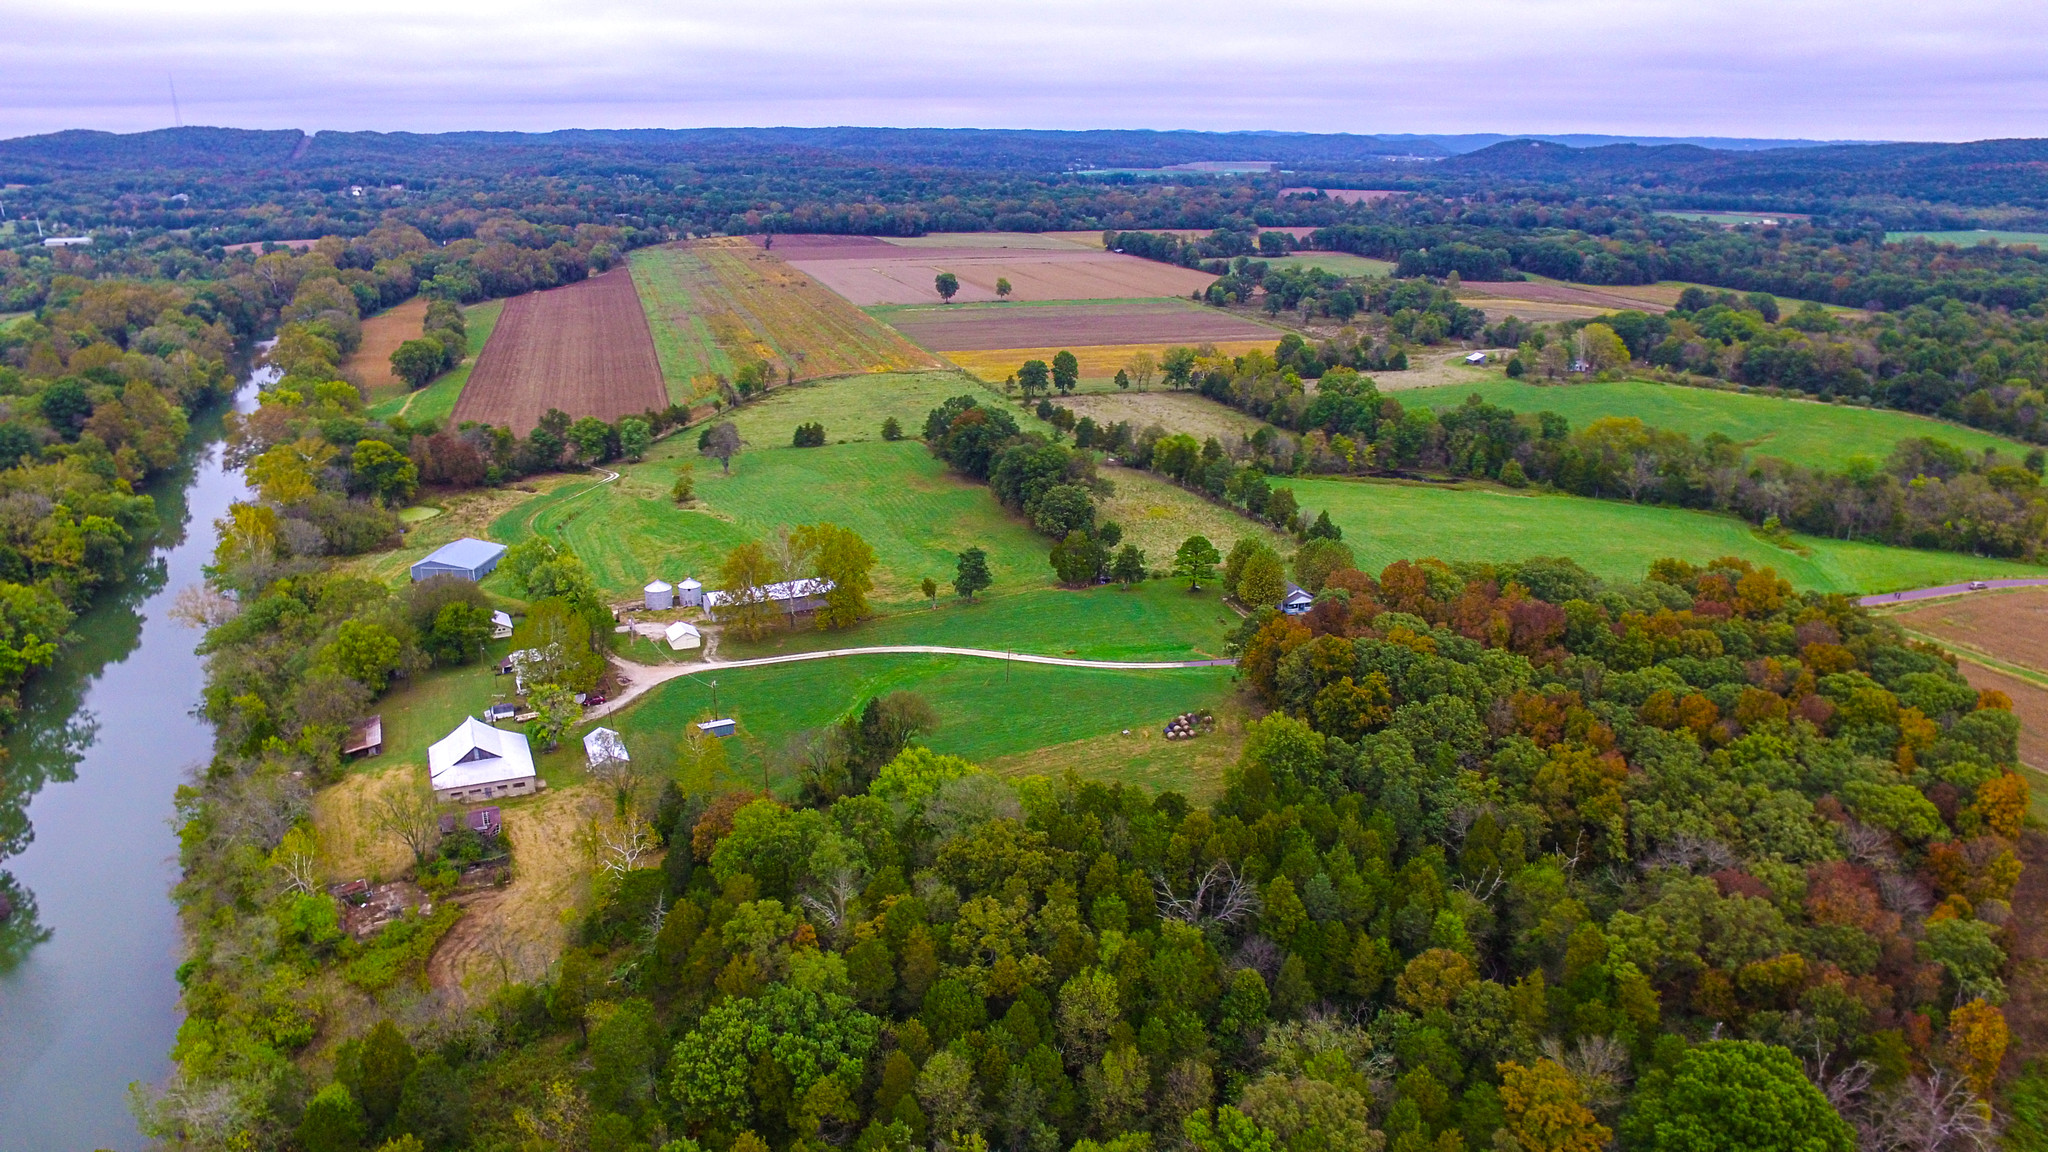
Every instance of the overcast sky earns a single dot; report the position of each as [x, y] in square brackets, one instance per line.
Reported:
[1848, 69]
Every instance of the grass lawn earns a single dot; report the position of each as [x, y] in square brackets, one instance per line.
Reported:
[1972, 236]
[1336, 263]
[422, 709]
[1155, 620]
[904, 503]
[1384, 522]
[852, 408]
[437, 400]
[987, 709]
[1802, 431]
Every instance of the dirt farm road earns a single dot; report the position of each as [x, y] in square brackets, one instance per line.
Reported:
[1885, 598]
[641, 677]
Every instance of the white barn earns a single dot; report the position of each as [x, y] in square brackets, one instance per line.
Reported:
[793, 596]
[478, 762]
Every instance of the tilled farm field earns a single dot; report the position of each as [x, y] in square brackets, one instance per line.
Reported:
[370, 364]
[714, 305]
[869, 271]
[958, 328]
[2007, 626]
[584, 349]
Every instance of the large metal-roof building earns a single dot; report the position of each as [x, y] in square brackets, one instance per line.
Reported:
[469, 558]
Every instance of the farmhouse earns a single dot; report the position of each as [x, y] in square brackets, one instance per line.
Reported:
[1296, 601]
[468, 558]
[792, 596]
[479, 762]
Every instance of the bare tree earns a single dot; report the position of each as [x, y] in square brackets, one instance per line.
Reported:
[621, 839]
[1221, 896]
[1932, 1113]
[409, 813]
[202, 606]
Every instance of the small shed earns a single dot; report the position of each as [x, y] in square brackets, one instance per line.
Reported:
[683, 635]
[365, 738]
[500, 711]
[724, 727]
[1296, 601]
[689, 594]
[1476, 358]
[501, 625]
[603, 746]
[467, 558]
[659, 596]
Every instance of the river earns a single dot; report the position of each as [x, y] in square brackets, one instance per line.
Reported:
[105, 737]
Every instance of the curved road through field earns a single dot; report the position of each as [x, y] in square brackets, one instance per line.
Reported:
[641, 677]
[1939, 591]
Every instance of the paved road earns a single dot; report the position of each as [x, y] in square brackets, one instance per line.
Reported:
[1945, 590]
[641, 677]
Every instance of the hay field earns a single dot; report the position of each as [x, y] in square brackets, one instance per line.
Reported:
[1385, 521]
[869, 271]
[973, 327]
[516, 933]
[1803, 431]
[1157, 515]
[1336, 263]
[584, 348]
[716, 304]
[370, 364]
[437, 400]
[2010, 626]
[1099, 362]
[1188, 412]
[345, 824]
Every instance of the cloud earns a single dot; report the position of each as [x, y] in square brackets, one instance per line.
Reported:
[1820, 68]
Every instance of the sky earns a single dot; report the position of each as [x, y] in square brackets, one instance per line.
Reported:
[1821, 69]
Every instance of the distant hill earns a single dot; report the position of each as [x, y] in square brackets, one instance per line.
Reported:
[1459, 144]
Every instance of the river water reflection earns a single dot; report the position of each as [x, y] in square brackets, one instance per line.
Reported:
[105, 738]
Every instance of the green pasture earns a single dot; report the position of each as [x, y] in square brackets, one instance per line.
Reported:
[1156, 620]
[1336, 263]
[904, 503]
[852, 408]
[1802, 431]
[1384, 522]
[987, 708]
[1972, 236]
[437, 400]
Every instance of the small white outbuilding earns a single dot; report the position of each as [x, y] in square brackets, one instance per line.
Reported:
[683, 635]
[501, 625]
[659, 596]
[602, 746]
[689, 594]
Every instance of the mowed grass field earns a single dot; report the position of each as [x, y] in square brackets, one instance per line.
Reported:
[1972, 236]
[1335, 263]
[1384, 522]
[1802, 431]
[716, 304]
[437, 400]
[988, 709]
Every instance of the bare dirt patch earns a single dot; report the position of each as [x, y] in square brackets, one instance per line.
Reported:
[370, 364]
[584, 349]
[515, 933]
[1000, 326]
[2008, 626]
[877, 272]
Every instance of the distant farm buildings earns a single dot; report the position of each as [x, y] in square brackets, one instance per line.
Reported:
[791, 596]
[479, 762]
[468, 558]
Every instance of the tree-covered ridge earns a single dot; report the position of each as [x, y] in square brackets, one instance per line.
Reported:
[1517, 860]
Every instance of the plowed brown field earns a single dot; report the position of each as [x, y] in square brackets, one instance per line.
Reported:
[370, 364]
[584, 349]
[867, 271]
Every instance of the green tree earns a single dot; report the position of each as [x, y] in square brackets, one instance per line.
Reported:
[459, 633]
[1734, 1096]
[1177, 366]
[434, 1106]
[634, 437]
[1232, 1131]
[366, 652]
[1129, 566]
[892, 429]
[972, 574]
[1195, 560]
[808, 435]
[624, 1049]
[1123, 379]
[1002, 288]
[947, 285]
[384, 471]
[848, 562]
[1066, 371]
[1323, 529]
[1033, 377]
[930, 588]
[384, 1062]
[592, 438]
[1078, 559]
[1262, 582]
[333, 1122]
[1315, 560]
[417, 362]
[684, 489]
